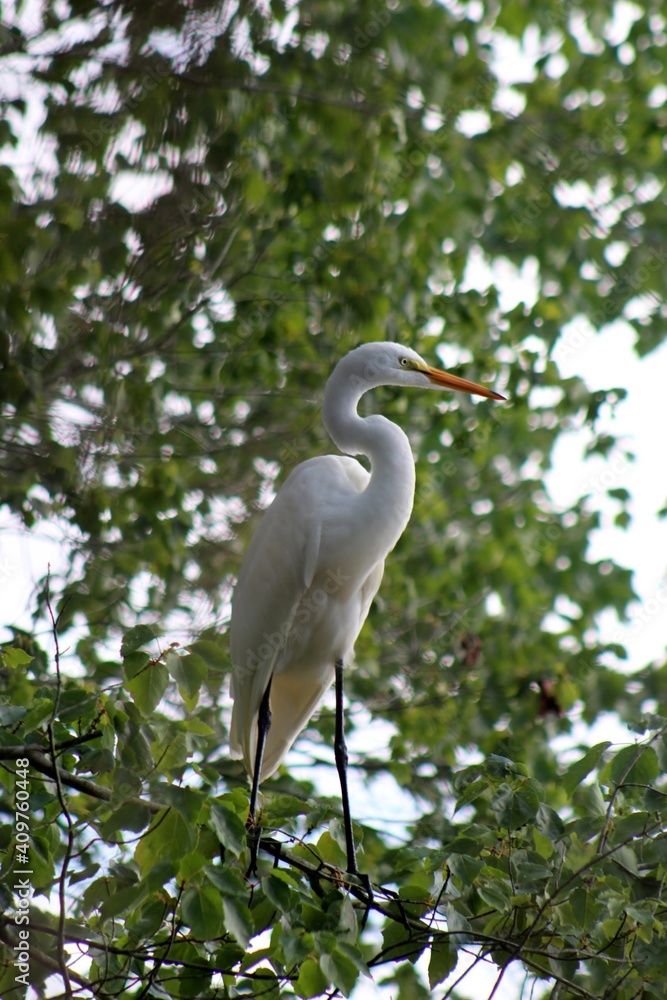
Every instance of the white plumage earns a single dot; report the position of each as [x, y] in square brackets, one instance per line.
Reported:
[316, 561]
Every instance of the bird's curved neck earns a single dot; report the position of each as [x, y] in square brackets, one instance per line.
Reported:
[392, 484]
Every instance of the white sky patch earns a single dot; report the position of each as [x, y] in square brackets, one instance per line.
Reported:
[623, 17]
[24, 558]
[509, 101]
[605, 360]
[66, 419]
[658, 96]
[221, 306]
[452, 355]
[472, 123]
[579, 29]
[514, 284]
[136, 190]
[513, 59]
[477, 273]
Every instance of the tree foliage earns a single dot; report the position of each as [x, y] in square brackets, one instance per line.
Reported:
[228, 197]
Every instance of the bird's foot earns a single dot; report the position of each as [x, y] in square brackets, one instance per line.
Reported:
[365, 882]
[254, 837]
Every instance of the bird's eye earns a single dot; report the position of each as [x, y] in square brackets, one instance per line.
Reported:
[405, 362]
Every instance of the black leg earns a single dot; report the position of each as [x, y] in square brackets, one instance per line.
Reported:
[340, 751]
[263, 726]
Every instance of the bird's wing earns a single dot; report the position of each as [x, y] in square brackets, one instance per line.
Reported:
[293, 699]
[368, 591]
[279, 567]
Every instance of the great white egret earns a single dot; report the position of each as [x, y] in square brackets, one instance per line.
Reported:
[315, 563]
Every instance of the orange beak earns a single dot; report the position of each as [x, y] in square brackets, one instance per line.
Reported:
[448, 381]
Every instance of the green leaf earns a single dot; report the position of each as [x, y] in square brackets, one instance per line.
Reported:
[340, 970]
[194, 974]
[42, 708]
[135, 662]
[148, 687]
[464, 868]
[311, 981]
[278, 892]
[529, 876]
[330, 850]
[589, 799]
[84, 874]
[122, 900]
[442, 961]
[188, 801]
[10, 714]
[394, 937]
[189, 672]
[254, 187]
[168, 839]
[228, 827]
[238, 920]
[214, 656]
[472, 792]
[132, 816]
[140, 635]
[197, 727]
[191, 865]
[634, 764]
[576, 772]
[202, 912]
[459, 927]
[543, 845]
[548, 822]
[14, 657]
[514, 806]
[42, 862]
[228, 881]
[494, 889]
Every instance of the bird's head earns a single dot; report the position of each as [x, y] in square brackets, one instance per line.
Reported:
[377, 364]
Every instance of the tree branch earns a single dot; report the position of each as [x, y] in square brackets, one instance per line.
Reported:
[44, 765]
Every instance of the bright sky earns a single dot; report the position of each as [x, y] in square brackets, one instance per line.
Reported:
[604, 361]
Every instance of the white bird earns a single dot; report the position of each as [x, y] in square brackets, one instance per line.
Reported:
[315, 564]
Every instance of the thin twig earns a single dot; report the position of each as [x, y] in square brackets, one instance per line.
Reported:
[619, 784]
[62, 879]
[42, 763]
[11, 940]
